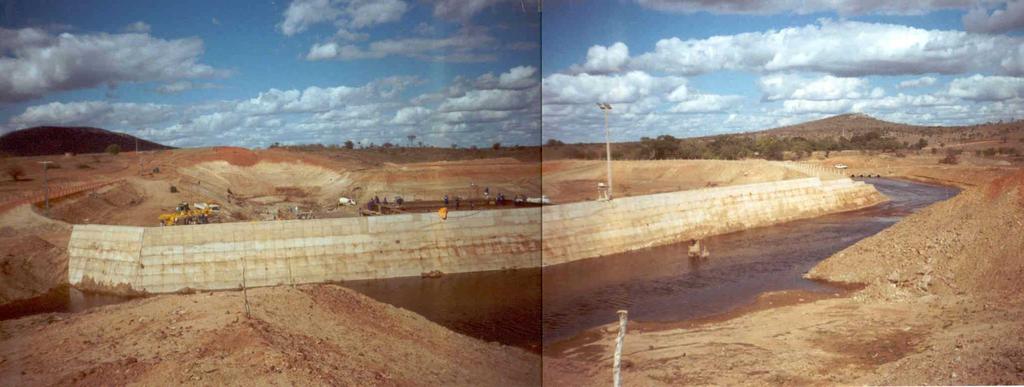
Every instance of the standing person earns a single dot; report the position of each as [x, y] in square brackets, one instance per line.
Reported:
[446, 200]
[458, 200]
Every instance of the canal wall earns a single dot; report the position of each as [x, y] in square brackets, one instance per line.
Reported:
[584, 230]
[226, 255]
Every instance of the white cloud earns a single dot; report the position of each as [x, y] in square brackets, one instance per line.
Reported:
[303, 13]
[1000, 20]
[182, 86]
[411, 115]
[801, 7]
[365, 13]
[840, 48]
[918, 82]
[491, 99]
[987, 88]
[463, 10]
[462, 46]
[602, 60]
[41, 63]
[791, 86]
[707, 103]
[471, 111]
[519, 77]
[356, 14]
[95, 113]
[588, 89]
[137, 27]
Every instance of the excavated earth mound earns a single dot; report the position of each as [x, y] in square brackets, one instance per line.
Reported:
[971, 244]
[308, 335]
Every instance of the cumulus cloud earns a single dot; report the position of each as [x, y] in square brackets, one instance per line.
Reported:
[519, 77]
[987, 88]
[706, 103]
[182, 86]
[301, 14]
[41, 63]
[999, 20]
[791, 86]
[840, 48]
[95, 113]
[588, 89]
[918, 82]
[471, 111]
[463, 10]
[356, 14]
[602, 60]
[462, 46]
[772, 7]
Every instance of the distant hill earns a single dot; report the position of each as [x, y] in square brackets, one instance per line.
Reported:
[853, 123]
[849, 127]
[54, 140]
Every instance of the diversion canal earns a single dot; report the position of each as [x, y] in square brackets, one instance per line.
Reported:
[529, 308]
[656, 285]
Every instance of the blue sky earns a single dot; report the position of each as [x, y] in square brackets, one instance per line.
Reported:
[693, 68]
[250, 73]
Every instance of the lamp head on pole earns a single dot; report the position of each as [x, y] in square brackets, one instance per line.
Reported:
[604, 106]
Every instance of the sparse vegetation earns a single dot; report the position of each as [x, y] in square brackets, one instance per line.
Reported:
[15, 172]
[113, 149]
[349, 144]
[952, 157]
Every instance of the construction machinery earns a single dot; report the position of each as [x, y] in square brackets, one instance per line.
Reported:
[183, 214]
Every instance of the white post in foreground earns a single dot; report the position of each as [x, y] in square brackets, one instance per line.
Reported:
[616, 373]
[608, 144]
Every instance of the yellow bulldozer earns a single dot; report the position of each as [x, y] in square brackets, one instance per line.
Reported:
[183, 214]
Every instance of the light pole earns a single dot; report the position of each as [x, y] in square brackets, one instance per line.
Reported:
[607, 143]
[46, 186]
[137, 154]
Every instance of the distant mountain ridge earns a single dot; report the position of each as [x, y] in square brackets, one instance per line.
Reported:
[54, 140]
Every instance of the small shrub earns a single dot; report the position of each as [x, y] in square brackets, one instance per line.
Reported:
[83, 166]
[952, 157]
[496, 146]
[15, 172]
[113, 149]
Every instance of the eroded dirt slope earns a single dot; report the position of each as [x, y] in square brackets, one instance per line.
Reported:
[308, 335]
[943, 305]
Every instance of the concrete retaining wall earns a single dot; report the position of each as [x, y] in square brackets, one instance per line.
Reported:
[215, 256]
[590, 229]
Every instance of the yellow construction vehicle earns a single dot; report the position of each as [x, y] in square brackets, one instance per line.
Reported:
[185, 215]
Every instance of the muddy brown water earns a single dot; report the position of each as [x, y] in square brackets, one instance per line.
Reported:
[656, 285]
[529, 308]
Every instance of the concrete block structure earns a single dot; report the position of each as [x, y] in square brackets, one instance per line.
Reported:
[224, 256]
[591, 229]
[228, 255]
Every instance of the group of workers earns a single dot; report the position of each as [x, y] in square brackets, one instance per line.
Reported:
[376, 202]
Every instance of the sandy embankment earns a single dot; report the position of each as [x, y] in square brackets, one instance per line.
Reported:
[315, 334]
[943, 305]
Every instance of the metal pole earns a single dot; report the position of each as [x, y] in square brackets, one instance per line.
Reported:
[608, 149]
[616, 372]
[46, 188]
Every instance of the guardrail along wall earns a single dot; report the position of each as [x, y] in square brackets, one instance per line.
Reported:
[591, 229]
[221, 256]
